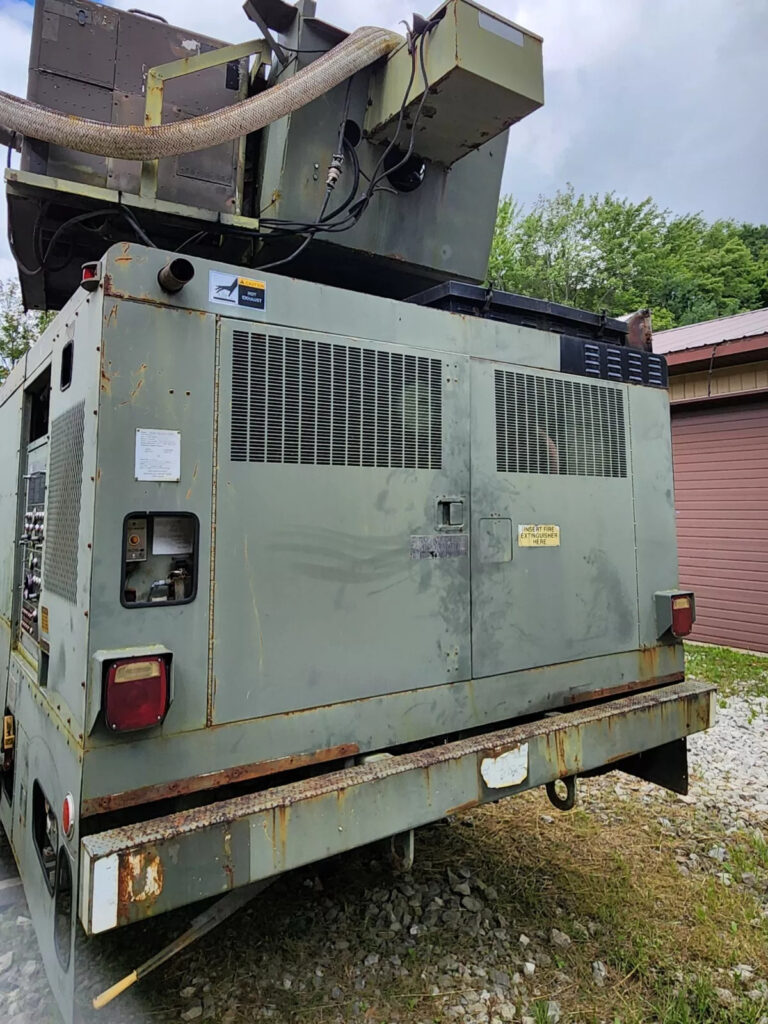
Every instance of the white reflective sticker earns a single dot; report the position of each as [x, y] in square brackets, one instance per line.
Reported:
[508, 769]
[104, 894]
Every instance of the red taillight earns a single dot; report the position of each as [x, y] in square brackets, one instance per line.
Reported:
[89, 277]
[136, 693]
[682, 615]
[68, 815]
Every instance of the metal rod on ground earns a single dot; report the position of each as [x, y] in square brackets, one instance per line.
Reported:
[201, 925]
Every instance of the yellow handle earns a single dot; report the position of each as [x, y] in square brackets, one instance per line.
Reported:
[112, 993]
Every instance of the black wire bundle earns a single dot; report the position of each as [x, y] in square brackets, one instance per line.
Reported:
[327, 223]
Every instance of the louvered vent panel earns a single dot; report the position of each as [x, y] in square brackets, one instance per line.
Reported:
[591, 360]
[65, 484]
[635, 367]
[319, 403]
[544, 425]
[613, 364]
[656, 372]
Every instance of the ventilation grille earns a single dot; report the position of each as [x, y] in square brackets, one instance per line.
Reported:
[544, 425]
[65, 484]
[318, 403]
[612, 362]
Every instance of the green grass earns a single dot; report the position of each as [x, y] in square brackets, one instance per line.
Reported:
[733, 672]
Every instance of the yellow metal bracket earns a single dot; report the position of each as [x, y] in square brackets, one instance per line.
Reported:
[158, 76]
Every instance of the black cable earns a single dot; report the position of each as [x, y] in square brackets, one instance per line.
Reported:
[355, 183]
[133, 221]
[378, 173]
[359, 208]
[197, 237]
[409, 152]
[307, 240]
[107, 212]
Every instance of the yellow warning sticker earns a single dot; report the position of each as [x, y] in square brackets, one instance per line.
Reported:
[44, 619]
[538, 536]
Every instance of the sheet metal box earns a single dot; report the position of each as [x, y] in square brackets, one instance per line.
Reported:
[485, 75]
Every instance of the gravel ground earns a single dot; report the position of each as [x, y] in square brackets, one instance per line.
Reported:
[336, 937]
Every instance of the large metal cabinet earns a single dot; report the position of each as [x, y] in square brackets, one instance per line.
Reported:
[549, 450]
[342, 566]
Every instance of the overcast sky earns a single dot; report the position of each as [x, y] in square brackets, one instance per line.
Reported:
[667, 98]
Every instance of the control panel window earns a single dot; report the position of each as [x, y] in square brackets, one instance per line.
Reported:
[160, 552]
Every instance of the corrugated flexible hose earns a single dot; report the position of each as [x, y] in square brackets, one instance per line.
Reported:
[138, 142]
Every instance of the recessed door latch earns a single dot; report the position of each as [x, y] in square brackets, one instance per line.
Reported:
[450, 513]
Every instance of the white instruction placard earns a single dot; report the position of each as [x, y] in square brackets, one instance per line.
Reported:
[173, 535]
[158, 454]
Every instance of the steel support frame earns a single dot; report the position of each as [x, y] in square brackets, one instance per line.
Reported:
[133, 872]
[155, 86]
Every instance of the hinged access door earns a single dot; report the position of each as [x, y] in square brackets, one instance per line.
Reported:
[342, 557]
[553, 553]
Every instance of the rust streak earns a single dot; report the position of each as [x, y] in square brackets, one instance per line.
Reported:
[468, 806]
[140, 879]
[583, 696]
[199, 783]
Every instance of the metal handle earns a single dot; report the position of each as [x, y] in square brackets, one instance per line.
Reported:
[450, 513]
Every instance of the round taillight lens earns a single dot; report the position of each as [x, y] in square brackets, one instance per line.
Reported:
[68, 815]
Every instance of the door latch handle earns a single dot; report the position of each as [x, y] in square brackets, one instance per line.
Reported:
[450, 513]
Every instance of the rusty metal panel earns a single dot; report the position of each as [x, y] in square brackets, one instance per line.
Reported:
[91, 60]
[206, 178]
[75, 39]
[140, 870]
[721, 489]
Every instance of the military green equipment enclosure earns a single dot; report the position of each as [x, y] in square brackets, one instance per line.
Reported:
[289, 565]
[269, 528]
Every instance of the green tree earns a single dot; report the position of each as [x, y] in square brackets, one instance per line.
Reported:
[605, 252]
[18, 328]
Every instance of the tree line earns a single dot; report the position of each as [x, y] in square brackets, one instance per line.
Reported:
[607, 253]
[596, 252]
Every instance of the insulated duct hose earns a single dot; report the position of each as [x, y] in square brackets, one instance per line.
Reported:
[134, 142]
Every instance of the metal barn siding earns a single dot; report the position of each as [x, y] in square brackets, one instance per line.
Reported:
[721, 494]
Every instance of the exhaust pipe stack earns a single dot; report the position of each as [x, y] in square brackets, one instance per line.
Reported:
[175, 275]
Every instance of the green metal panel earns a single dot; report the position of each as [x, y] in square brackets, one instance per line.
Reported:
[655, 526]
[486, 74]
[319, 597]
[10, 428]
[308, 586]
[158, 373]
[73, 425]
[576, 599]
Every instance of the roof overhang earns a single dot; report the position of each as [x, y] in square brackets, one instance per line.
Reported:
[723, 353]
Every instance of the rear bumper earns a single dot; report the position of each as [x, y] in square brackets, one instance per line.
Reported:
[138, 871]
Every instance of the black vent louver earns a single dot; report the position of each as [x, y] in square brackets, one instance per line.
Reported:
[612, 362]
[321, 403]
